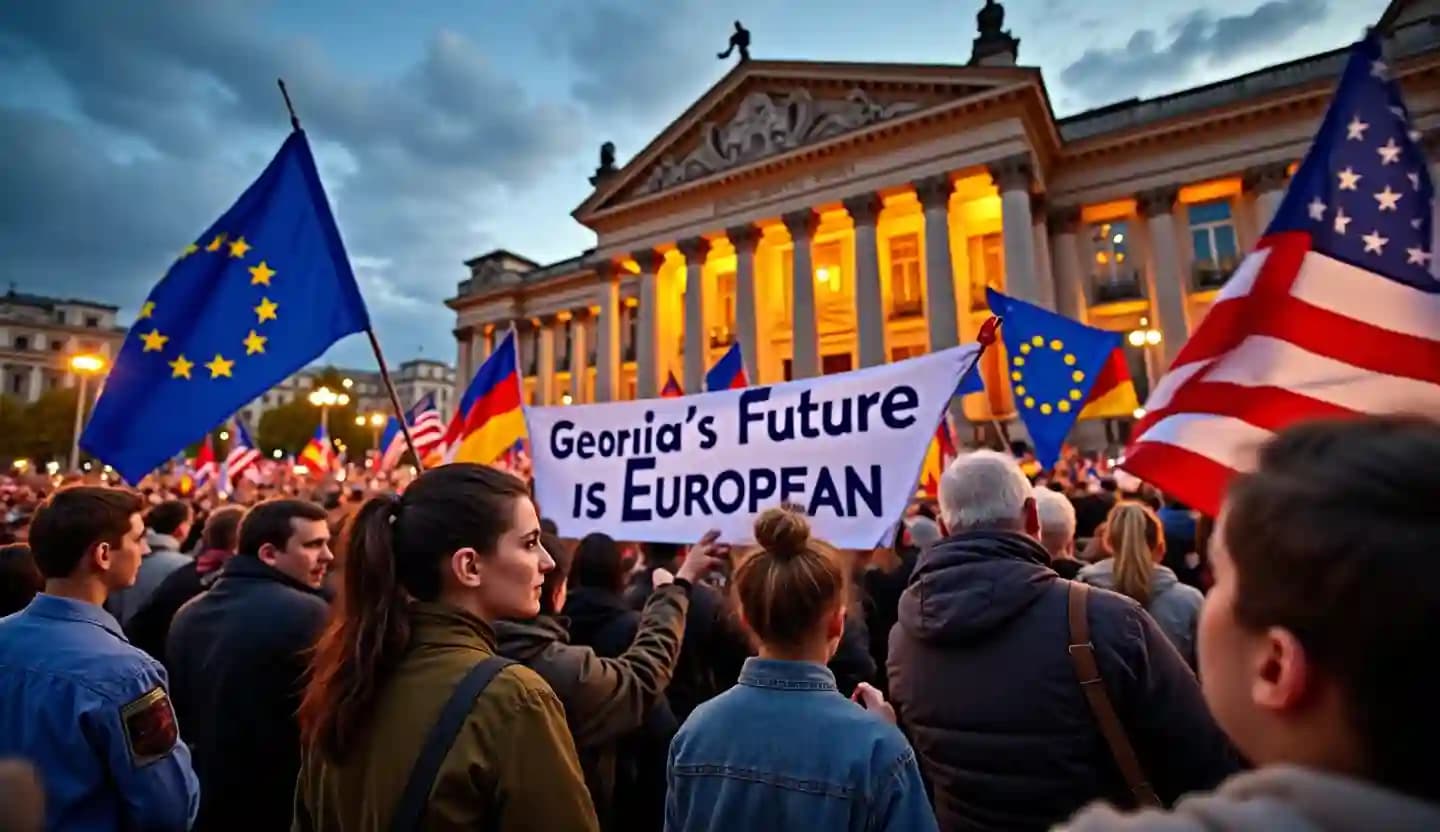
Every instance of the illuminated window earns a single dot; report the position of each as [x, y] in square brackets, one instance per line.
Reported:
[1212, 238]
[906, 293]
[908, 351]
[987, 268]
[724, 332]
[630, 329]
[829, 276]
[1112, 268]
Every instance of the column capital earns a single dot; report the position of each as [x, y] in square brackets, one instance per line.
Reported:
[934, 191]
[802, 223]
[648, 259]
[580, 314]
[1064, 219]
[694, 249]
[463, 333]
[744, 237]
[863, 208]
[1013, 173]
[1270, 176]
[1157, 201]
[548, 320]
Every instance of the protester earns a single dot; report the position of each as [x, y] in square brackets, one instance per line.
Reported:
[783, 749]
[167, 524]
[428, 573]
[1135, 540]
[987, 689]
[598, 614]
[884, 582]
[1183, 552]
[20, 578]
[715, 645]
[1056, 515]
[149, 628]
[1091, 508]
[1313, 639]
[87, 709]
[250, 632]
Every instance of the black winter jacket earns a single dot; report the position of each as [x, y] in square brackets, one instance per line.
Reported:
[982, 679]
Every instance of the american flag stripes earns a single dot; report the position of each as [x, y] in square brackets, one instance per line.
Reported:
[243, 458]
[1335, 314]
[426, 428]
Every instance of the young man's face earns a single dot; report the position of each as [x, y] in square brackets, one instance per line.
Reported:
[121, 563]
[306, 555]
[1229, 654]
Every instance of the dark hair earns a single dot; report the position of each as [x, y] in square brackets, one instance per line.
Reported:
[168, 517]
[1333, 539]
[548, 526]
[20, 578]
[564, 558]
[222, 528]
[76, 518]
[395, 553]
[660, 554]
[786, 585]
[269, 522]
[599, 563]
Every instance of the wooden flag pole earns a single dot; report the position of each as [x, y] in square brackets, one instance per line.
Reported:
[369, 331]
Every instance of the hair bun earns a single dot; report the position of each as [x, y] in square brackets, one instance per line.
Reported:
[783, 532]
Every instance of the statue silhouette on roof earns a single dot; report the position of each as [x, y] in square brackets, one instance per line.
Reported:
[739, 39]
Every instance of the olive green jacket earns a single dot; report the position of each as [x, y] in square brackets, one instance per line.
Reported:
[513, 766]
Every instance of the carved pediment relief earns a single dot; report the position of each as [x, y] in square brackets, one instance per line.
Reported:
[767, 123]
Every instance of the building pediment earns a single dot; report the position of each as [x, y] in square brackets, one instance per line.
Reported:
[766, 109]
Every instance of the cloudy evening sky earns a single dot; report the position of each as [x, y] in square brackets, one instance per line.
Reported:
[448, 128]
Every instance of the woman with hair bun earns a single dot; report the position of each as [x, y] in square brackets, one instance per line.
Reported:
[783, 749]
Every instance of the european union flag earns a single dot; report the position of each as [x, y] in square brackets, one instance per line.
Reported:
[1053, 362]
[265, 290]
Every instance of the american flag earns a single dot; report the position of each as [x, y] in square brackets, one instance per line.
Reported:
[244, 457]
[426, 428]
[1335, 314]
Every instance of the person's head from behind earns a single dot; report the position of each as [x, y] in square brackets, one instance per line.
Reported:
[20, 578]
[290, 535]
[222, 529]
[557, 580]
[90, 534]
[661, 555]
[1057, 522]
[1313, 643]
[1135, 541]
[792, 590]
[599, 563]
[986, 491]
[464, 536]
[171, 518]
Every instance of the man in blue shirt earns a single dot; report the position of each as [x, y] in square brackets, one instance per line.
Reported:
[76, 699]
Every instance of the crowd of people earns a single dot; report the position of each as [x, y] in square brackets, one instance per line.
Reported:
[1034, 650]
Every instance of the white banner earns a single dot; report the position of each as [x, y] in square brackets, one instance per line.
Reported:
[847, 448]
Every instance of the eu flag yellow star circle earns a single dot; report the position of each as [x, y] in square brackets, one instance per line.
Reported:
[220, 367]
[1037, 355]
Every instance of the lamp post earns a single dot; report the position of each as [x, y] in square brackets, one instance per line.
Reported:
[325, 398]
[376, 421]
[1146, 339]
[83, 365]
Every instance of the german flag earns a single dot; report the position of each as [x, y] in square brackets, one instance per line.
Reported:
[489, 420]
[1113, 395]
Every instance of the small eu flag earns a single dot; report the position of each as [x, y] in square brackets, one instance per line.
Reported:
[1053, 362]
[265, 290]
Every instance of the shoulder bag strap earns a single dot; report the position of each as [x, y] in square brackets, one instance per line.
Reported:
[1087, 670]
[411, 808]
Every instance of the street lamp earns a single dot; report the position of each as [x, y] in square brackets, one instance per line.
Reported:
[1144, 339]
[325, 398]
[376, 421]
[83, 365]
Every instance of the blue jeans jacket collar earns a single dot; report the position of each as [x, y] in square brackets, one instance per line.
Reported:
[786, 675]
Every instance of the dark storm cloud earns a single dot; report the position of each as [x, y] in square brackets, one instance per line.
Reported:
[169, 109]
[1144, 63]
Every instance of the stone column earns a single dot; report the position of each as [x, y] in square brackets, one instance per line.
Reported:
[1069, 268]
[34, 386]
[545, 362]
[647, 329]
[696, 334]
[1042, 252]
[607, 337]
[1167, 285]
[482, 345]
[1012, 177]
[1268, 183]
[579, 354]
[746, 239]
[940, 313]
[805, 342]
[464, 370]
[869, 303]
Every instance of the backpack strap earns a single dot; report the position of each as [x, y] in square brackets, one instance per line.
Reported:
[411, 809]
[1087, 671]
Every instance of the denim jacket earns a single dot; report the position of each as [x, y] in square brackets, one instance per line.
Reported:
[784, 749]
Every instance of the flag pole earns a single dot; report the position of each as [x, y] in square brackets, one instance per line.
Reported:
[987, 336]
[369, 331]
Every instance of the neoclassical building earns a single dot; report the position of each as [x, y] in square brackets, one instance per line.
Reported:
[839, 215]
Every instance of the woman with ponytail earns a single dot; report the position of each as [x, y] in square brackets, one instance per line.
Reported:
[783, 749]
[427, 575]
[1134, 539]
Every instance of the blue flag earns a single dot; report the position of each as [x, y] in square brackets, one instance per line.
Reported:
[264, 291]
[1052, 362]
